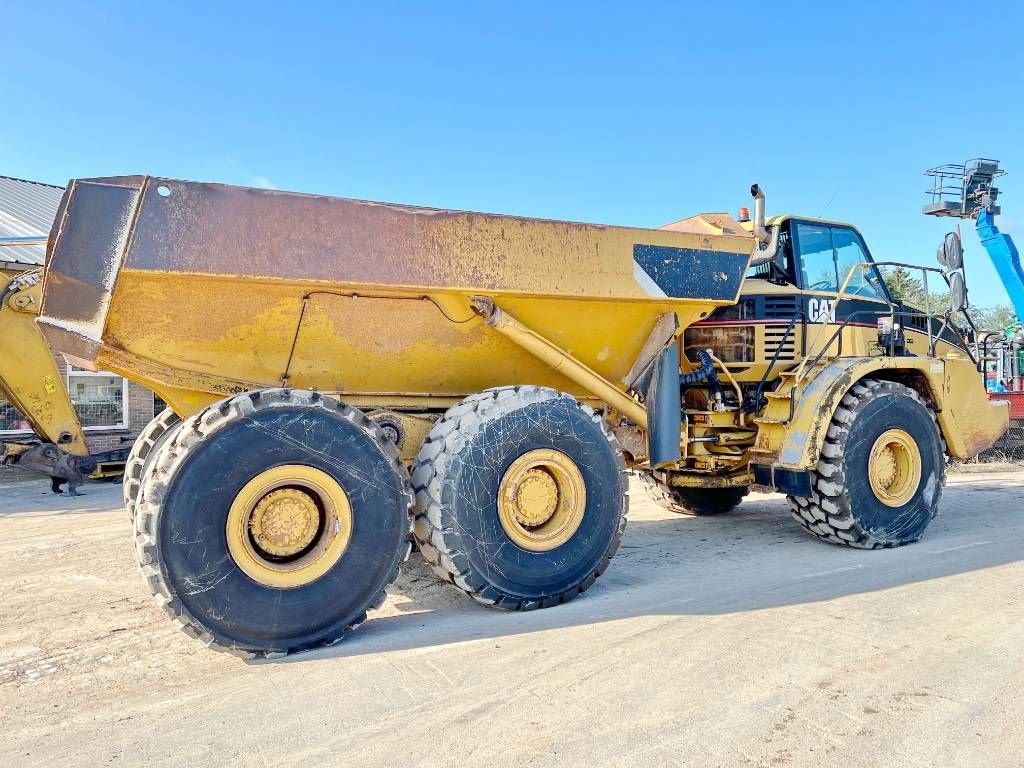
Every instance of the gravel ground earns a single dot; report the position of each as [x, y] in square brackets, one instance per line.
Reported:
[710, 641]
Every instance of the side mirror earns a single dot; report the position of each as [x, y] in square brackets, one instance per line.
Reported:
[957, 292]
[951, 253]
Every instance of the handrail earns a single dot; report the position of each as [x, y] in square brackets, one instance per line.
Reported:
[893, 307]
[839, 331]
[759, 392]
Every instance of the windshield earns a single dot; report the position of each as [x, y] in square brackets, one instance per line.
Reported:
[828, 253]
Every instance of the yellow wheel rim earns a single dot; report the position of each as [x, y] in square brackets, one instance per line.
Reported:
[288, 526]
[894, 468]
[541, 500]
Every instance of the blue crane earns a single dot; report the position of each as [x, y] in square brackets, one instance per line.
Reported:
[967, 192]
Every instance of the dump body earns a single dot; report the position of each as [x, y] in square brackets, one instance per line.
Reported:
[203, 290]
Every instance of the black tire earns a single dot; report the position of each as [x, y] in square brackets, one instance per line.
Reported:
[693, 502]
[843, 508]
[456, 478]
[149, 440]
[188, 489]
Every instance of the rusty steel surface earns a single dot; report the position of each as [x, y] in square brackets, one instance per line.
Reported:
[222, 230]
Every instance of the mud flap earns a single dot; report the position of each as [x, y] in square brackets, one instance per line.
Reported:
[793, 482]
[664, 415]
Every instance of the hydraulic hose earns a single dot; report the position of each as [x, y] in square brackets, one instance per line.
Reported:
[705, 371]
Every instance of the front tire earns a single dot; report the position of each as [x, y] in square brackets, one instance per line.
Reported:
[272, 521]
[521, 497]
[881, 472]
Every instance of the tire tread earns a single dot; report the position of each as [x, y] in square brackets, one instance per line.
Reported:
[429, 528]
[827, 513]
[197, 430]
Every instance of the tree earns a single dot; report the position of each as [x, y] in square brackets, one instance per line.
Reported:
[906, 288]
[997, 318]
[901, 284]
[909, 290]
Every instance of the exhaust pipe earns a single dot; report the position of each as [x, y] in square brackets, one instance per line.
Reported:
[768, 242]
[760, 231]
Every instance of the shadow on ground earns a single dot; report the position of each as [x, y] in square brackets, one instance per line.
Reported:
[753, 559]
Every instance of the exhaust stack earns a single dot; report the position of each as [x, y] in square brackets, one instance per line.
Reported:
[760, 232]
[768, 242]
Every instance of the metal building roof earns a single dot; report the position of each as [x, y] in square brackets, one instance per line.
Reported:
[27, 209]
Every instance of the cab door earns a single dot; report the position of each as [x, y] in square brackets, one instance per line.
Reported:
[825, 254]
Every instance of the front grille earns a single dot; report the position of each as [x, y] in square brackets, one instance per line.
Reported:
[781, 306]
[773, 337]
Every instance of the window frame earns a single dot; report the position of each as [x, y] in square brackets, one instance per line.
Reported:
[794, 235]
[72, 371]
[15, 432]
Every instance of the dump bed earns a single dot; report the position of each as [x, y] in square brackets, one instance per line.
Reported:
[201, 290]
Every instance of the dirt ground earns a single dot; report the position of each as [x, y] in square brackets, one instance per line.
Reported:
[710, 641]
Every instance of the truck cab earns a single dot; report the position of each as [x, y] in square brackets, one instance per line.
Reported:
[822, 275]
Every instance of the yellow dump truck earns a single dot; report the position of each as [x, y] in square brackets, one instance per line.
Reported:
[353, 375]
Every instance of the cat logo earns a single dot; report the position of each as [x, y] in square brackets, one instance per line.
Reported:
[821, 310]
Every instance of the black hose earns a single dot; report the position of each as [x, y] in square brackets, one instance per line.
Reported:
[705, 371]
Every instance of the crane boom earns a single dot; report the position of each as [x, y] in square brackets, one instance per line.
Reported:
[968, 191]
[1005, 257]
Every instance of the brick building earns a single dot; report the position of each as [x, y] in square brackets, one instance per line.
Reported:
[112, 410]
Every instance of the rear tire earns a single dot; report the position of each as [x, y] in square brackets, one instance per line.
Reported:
[146, 444]
[272, 521]
[496, 541]
[881, 472]
[693, 502]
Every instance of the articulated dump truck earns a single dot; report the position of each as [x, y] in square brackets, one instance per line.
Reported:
[347, 377]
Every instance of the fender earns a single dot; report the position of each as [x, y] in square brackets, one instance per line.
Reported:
[969, 423]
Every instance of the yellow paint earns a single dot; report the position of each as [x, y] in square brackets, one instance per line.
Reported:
[284, 522]
[562, 362]
[29, 377]
[373, 302]
[968, 420]
[362, 347]
[288, 526]
[413, 428]
[541, 500]
[894, 468]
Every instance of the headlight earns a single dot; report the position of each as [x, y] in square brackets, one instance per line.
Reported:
[731, 344]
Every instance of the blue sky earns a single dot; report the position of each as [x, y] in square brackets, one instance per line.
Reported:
[632, 114]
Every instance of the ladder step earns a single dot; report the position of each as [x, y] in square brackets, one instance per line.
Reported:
[765, 420]
[779, 395]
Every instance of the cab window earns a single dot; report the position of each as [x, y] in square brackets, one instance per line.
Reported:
[827, 254]
[817, 267]
[850, 251]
